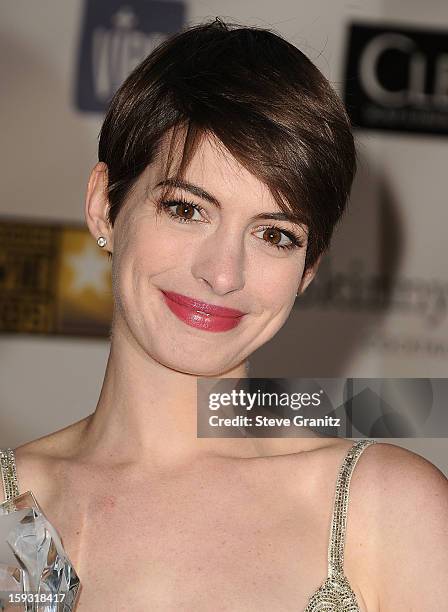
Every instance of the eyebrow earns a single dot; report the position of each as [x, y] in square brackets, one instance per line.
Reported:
[201, 193]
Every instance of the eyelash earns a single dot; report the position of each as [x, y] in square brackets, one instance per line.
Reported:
[166, 205]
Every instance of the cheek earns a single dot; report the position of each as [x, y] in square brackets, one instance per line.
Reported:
[149, 255]
[149, 250]
[278, 283]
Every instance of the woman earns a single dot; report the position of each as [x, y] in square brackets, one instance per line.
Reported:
[225, 162]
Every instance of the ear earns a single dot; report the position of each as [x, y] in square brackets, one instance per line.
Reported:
[97, 205]
[308, 276]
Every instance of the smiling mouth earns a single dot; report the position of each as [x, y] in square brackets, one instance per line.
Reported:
[209, 310]
[193, 313]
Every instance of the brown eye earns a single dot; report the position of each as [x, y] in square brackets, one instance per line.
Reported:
[184, 210]
[274, 238]
[181, 210]
[273, 232]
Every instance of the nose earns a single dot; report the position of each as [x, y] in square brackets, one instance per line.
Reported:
[220, 262]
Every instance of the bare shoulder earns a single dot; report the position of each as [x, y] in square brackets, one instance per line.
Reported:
[400, 462]
[56, 443]
[39, 461]
[398, 480]
[404, 510]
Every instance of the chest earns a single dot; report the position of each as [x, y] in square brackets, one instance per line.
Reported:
[207, 563]
[199, 544]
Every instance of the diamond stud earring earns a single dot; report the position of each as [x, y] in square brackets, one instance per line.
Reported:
[101, 241]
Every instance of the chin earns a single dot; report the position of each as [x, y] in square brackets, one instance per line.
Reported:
[197, 362]
[198, 369]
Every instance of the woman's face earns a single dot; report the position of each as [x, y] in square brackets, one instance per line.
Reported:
[212, 253]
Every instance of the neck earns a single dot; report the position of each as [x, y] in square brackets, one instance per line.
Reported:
[147, 415]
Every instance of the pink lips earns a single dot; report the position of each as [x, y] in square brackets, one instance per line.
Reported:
[200, 314]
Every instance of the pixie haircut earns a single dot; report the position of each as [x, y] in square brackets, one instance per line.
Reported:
[259, 95]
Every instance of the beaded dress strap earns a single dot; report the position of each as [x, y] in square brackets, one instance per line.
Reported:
[9, 474]
[339, 522]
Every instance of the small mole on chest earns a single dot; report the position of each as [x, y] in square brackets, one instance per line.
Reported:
[105, 503]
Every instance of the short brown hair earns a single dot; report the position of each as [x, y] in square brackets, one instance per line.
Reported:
[261, 97]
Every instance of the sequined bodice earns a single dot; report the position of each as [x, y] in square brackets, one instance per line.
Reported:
[335, 594]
